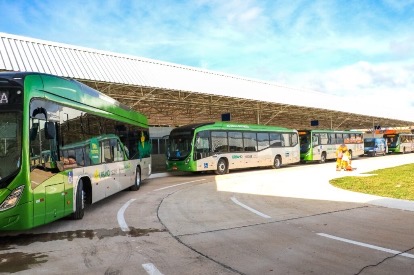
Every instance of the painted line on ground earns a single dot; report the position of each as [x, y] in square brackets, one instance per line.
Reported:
[151, 269]
[178, 184]
[395, 252]
[121, 218]
[250, 209]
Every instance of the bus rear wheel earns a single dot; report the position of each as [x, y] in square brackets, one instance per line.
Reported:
[221, 167]
[80, 202]
[277, 163]
[137, 183]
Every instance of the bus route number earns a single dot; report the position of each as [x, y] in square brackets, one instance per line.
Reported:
[4, 97]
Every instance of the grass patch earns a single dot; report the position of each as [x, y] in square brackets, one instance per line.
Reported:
[396, 182]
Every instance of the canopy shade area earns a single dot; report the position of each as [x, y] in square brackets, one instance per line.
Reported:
[174, 95]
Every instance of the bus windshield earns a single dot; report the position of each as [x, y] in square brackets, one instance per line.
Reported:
[179, 146]
[369, 144]
[10, 144]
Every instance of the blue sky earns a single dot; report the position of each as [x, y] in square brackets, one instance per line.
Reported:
[356, 48]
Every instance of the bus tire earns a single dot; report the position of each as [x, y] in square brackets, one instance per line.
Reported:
[277, 162]
[323, 158]
[221, 167]
[137, 183]
[80, 202]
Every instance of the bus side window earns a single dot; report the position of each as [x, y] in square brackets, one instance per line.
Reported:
[117, 151]
[107, 156]
[275, 140]
[87, 156]
[294, 139]
[324, 138]
[80, 159]
[219, 141]
[250, 141]
[262, 141]
[339, 139]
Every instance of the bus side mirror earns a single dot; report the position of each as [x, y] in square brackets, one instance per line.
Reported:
[50, 130]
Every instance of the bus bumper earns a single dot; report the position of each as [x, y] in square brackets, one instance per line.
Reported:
[19, 217]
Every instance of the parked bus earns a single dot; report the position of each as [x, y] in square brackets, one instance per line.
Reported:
[321, 145]
[222, 146]
[400, 142]
[64, 146]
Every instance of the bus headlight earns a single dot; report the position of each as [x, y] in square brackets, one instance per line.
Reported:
[187, 160]
[12, 199]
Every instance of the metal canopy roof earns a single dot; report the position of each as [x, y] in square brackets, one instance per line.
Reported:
[171, 94]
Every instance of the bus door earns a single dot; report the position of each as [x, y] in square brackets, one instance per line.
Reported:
[46, 180]
[125, 170]
[316, 148]
[110, 181]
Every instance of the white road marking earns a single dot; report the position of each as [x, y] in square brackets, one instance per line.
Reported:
[367, 245]
[151, 269]
[250, 209]
[178, 184]
[120, 216]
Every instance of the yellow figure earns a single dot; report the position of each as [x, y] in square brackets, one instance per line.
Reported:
[339, 153]
[346, 161]
[142, 139]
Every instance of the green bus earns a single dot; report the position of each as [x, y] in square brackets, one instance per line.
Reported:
[222, 146]
[399, 142]
[63, 146]
[321, 145]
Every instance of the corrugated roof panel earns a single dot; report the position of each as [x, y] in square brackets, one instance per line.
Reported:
[47, 65]
[52, 61]
[22, 59]
[64, 61]
[129, 64]
[77, 66]
[10, 53]
[29, 56]
[60, 62]
[91, 66]
[117, 69]
[87, 65]
[138, 76]
[71, 62]
[98, 65]
[153, 73]
[4, 55]
[105, 69]
[55, 61]
[80, 68]
[21, 54]
[93, 71]
[35, 52]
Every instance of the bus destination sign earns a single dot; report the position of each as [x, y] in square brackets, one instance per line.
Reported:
[4, 97]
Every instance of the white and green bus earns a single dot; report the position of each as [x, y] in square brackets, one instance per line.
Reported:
[321, 145]
[63, 146]
[399, 142]
[223, 146]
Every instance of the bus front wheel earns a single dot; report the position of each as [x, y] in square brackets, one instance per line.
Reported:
[137, 183]
[323, 158]
[221, 167]
[80, 202]
[277, 163]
